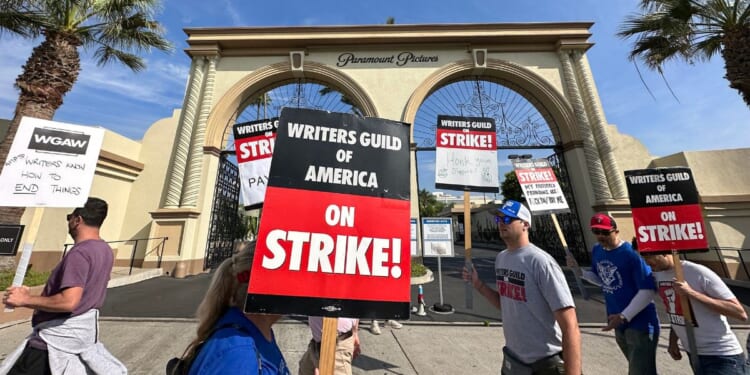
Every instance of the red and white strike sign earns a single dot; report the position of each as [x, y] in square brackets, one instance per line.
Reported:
[666, 211]
[334, 233]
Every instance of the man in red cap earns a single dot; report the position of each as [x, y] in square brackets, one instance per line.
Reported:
[628, 287]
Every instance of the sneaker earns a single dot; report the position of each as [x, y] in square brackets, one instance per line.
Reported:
[393, 324]
[375, 328]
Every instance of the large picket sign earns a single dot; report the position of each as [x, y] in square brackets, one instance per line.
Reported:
[540, 187]
[466, 154]
[666, 212]
[334, 235]
[253, 144]
[50, 164]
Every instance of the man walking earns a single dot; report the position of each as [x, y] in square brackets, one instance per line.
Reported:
[711, 301]
[538, 312]
[65, 320]
[629, 290]
[347, 346]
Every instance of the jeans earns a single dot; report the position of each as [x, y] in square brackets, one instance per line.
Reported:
[639, 349]
[721, 364]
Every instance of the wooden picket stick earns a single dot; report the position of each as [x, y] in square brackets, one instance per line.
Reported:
[686, 313]
[23, 262]
[327, 359]
[577, 271]
[469, 292]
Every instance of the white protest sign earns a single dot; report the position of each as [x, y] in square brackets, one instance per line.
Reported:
[540, 186]
[254, 142]
[50, 164]
[466, 154]
[437, 235]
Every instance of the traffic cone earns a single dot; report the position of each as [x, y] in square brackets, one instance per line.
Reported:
[420, 301]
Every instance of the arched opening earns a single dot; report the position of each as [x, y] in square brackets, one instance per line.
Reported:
[230, 223]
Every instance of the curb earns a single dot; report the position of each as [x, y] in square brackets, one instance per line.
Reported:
[132, 279]
[424, 279]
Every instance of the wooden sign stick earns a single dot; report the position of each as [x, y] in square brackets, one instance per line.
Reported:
[686, 312]
[327, 360]
[577, 271]
[469, 292]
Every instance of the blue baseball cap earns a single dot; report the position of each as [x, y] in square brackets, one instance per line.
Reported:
[516, 210]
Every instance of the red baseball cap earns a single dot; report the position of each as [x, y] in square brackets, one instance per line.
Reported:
[603, 221]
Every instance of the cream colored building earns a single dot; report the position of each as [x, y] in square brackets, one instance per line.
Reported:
[163, 185]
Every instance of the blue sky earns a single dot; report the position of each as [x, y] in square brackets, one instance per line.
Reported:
[708, 116]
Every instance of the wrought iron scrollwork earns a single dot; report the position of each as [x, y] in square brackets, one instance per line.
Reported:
[224, 214]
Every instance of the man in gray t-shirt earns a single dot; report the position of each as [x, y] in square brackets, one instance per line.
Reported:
[76, 285]
[538, 312]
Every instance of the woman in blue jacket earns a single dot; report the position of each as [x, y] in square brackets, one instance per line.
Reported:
[230, 341]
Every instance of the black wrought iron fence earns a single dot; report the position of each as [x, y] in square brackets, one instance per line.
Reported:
[158, 248]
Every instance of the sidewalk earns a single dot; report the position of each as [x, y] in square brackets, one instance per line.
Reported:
[120, 276]
[146, 345]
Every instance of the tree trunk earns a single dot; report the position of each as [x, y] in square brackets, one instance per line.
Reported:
[47, 76]
[736, 55]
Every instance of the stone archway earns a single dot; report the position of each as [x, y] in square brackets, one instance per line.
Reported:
[387, 70]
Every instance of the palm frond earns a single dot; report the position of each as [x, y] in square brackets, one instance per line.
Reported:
[106, 54]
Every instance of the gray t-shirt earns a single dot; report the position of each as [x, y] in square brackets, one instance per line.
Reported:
[531, 287]
[713, 335]
[88, 265]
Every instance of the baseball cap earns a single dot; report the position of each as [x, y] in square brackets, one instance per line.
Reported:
[603, 221]
[516, 210]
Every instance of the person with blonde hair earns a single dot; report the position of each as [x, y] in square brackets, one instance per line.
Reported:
[230, 341]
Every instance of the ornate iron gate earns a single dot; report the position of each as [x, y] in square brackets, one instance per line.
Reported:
[224, 214]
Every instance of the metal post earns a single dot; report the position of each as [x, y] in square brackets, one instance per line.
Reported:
[132, 257]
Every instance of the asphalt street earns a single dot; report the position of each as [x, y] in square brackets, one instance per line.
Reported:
[166, 297]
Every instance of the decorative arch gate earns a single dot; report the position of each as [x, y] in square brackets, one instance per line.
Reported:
[389, 71]
[520, 127]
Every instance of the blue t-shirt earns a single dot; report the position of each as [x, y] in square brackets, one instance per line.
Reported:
[236, 351]
[623, 273]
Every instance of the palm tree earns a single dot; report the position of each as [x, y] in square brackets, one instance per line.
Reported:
[694, 30]
[112, 29]
[429, 206]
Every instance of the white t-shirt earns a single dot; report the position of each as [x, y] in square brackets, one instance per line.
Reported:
[713, 336]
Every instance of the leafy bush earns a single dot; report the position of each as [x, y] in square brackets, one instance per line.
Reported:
[418, 269]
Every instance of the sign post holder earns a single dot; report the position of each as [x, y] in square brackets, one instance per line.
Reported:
[440, 236]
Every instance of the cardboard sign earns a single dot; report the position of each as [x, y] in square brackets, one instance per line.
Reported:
[466, 154]
[253, 144]
[50, 164]
[334, 234]
[437, 234]
[666, 212]
[10, 238]
[540, 186]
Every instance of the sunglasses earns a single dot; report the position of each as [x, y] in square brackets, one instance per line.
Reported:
[601, 232]
[505, 219]
[70, 216]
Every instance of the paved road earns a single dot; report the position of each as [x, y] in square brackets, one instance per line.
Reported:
[166, 297]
